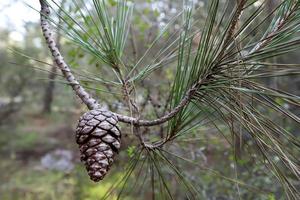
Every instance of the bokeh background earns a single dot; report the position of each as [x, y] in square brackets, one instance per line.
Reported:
[38, 115]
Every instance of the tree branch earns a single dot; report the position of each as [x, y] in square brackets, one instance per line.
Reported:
[84, 95]
[232, 27]
[93, 104]
[187, 98]
[59, 60]
[278, 26]
[235, 20]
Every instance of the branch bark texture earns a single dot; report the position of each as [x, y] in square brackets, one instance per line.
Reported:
[93, 104]
[49, 91]
[83, 94]
[59, 60]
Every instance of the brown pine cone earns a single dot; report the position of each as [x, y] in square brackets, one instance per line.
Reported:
[99, 140]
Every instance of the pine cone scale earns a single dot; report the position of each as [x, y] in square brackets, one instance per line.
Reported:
[99, 140]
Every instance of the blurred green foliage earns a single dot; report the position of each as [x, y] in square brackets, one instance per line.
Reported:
[27, 134]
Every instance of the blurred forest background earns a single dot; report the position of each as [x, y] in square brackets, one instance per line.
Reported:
[39, 112]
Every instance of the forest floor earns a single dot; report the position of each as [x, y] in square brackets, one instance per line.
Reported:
[40, 159]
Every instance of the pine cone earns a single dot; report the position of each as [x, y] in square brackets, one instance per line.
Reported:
[99, 140]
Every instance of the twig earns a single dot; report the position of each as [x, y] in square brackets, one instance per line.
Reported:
[235, 20]
[49, 90]
[278, 26]
[84, 95]
[231, 31]
[57, 57]
[92, 103]
[190, 93]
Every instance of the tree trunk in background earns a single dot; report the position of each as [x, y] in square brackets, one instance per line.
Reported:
[49, 91]
[48, 97]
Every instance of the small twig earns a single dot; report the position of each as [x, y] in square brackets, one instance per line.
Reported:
[85, 96]
[169, 115]
[278, 26]
[79, 90]
[235, 20]
[127, 96]
[231, 31]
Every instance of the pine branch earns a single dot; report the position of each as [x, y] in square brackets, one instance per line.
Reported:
[49, 90]
[93, 104]
[59, 60]
[187, 98]
[86, 98]
[234, 23]
[278, 26]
